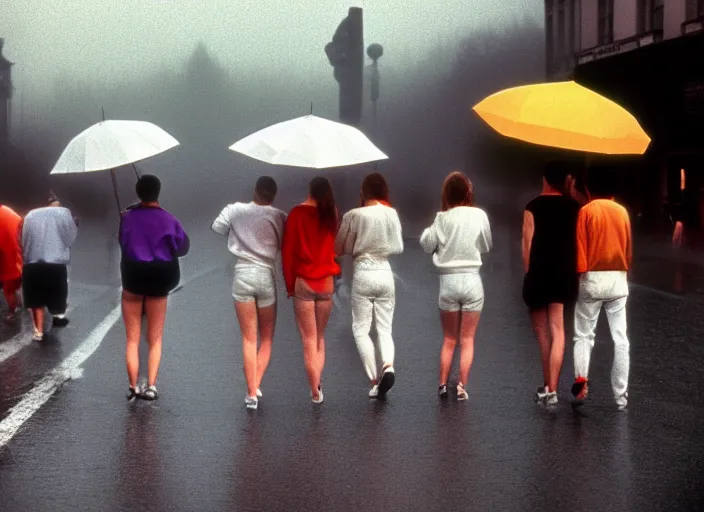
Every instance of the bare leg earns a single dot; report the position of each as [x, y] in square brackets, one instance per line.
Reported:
[156, 314]
[450, 321]
[132, 316]
[247, 318]
[38, 318]
[304, 310]
[468, 328]
[267, 323]
[556, 323]
[539, 320]
[323, 308]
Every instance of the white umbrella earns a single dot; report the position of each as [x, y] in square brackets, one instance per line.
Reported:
[111, 144]
[309, 141]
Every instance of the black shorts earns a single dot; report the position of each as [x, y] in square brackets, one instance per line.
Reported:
[539, 291]
[150, 279]
[45, 285]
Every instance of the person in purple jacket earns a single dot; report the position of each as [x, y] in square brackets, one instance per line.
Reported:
[151, 241]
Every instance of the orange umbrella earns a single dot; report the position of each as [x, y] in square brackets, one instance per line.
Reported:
[564, 115]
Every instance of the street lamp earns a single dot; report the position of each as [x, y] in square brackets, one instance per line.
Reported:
[375, 51]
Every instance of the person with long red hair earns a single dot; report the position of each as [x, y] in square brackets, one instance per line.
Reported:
[309, 267]
[457, 238]
[370, 234]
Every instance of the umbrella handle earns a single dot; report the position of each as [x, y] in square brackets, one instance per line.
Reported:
[114, 189]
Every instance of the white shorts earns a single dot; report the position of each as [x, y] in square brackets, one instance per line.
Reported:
[254, 283]
[461, 292]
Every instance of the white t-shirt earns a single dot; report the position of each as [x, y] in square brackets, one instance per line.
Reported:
[457, 239]
[254, 232]
[370, 231]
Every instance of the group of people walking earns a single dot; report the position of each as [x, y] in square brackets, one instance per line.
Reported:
[572, 252]
[34, 254]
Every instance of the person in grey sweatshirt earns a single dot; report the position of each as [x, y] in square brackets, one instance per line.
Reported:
[47, 236]
[457, 238]
[370, 234]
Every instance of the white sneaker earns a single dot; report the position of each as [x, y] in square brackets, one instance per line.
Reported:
[551, 398]
[541, 394]
[374, 392]
[38, 336]
[251, 402]
[259, 393]
[318, 400]
[622, 401]
[461, 392]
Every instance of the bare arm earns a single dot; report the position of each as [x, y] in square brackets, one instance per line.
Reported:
[527, 238]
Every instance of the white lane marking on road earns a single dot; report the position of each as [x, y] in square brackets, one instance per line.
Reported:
[51, 381]
[70, 368]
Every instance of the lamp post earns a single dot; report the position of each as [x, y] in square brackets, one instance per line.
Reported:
[375, 51]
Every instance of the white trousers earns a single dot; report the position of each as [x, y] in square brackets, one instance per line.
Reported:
[610, 290]
[373, 300]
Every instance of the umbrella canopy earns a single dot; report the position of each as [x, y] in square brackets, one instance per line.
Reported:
[111, 144]
[564, 115]
[309, 141]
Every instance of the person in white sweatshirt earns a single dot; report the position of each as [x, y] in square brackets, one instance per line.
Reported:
[254, 232]
[370, 234]
[457, 239]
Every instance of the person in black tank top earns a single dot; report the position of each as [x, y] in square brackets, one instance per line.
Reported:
[550, 265]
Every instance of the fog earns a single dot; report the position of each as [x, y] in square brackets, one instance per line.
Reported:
[211, 72]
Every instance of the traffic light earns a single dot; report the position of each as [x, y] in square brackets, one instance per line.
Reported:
[346, 54]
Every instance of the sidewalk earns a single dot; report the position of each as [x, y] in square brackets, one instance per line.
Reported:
[659, 265]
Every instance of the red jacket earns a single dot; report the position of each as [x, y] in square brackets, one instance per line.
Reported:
[308, 249]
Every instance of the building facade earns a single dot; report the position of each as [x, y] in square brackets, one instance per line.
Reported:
[647, 55]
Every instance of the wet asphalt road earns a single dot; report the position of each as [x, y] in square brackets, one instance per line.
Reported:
[197, 448]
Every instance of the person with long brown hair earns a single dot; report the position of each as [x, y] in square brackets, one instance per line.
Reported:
[372, 233]
[309, 267]
[457, 238]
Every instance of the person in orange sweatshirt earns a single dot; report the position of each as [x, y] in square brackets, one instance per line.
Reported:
[309, 268]
[604, 255]
[10, 259]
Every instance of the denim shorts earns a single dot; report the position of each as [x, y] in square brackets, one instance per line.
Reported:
[254, 283]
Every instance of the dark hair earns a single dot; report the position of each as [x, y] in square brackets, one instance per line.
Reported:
[374, 187]
[321, 191]
[266, 189]
[555, 174]
[457, 190]
[599, 182]
[148, 188]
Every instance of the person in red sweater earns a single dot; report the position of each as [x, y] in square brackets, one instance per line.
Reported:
[309, 266]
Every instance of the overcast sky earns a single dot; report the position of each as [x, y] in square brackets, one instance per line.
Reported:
[104, 39]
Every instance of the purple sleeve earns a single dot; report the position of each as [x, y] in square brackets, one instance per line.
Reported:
[181, 242]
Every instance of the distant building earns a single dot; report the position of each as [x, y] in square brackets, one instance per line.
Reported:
[647, 55]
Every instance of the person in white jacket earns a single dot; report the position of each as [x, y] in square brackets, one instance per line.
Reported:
[457, 239]
[370, 234]
[255, 232]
